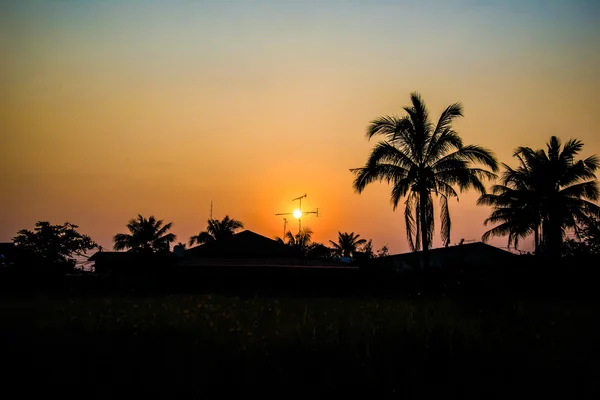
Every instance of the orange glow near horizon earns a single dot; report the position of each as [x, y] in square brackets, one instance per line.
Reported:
[110, 109]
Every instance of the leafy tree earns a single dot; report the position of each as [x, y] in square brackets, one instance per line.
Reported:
[548, 193]
[383, 251]
[590, 234]
[587, 239]
[421, 160]
[146, 236]
[217, 230]
[319, 250]
[347, 243]
[54, 243]
[367, 249]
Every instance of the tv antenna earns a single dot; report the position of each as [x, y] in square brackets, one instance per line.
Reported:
[298, 213]
[284, 226]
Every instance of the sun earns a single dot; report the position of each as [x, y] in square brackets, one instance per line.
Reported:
[297, 213]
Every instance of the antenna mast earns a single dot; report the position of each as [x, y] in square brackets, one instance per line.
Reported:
[300, 213]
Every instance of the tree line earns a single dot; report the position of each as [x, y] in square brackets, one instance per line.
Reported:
[549, 193]
[62, 243]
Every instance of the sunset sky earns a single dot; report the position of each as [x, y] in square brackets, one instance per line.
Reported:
[113, 108]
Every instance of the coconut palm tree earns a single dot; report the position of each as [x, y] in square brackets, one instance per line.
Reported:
[301, 240]
[217, 230]
[145, 235]
[422, 159]
[347, 243]
[548, 193]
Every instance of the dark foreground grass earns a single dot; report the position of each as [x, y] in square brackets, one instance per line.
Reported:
[181, 345]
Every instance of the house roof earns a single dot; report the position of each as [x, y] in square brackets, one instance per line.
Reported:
[245, 244]
[477, 252]
[478, 247]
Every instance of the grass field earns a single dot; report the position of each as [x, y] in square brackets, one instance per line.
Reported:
[170, 345]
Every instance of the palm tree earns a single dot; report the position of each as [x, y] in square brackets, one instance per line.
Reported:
[301, 240]
[283, 240]
[347, 243]
[217, 230]
[546, 194]
[145, 235]
[420, 160]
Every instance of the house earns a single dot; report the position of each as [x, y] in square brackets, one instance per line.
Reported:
[464, 255]
[247, 249]
[246, 244]
[109, 262]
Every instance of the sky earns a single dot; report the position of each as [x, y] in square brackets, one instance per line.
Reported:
[113, 108]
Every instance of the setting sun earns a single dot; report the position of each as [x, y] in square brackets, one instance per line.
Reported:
[297, 213]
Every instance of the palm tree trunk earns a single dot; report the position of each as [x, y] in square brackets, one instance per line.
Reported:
[424, 228]
[555, 239]
[551, 237]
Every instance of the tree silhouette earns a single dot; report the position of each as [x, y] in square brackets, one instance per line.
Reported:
[217, 230]
[54, 243]
[319, 250]
[546, 194]
[301, 240]
[145, 235]
[347, 243]
[421, 159]
[587, 240]
[368, 249]
[384, 251]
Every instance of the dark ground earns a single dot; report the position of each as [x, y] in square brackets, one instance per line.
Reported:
[181, 345]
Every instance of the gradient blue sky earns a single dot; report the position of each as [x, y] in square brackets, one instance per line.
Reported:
[113, 108]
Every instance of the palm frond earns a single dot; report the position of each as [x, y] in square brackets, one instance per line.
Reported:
[121, 241]
[440, 145]
[374, 173]
[585, 190]
[592, 163]
[569, 150]
[429, 223]
[165, 228]
[445, 220]
[409, 221]
[399, 190]
[386, 153]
